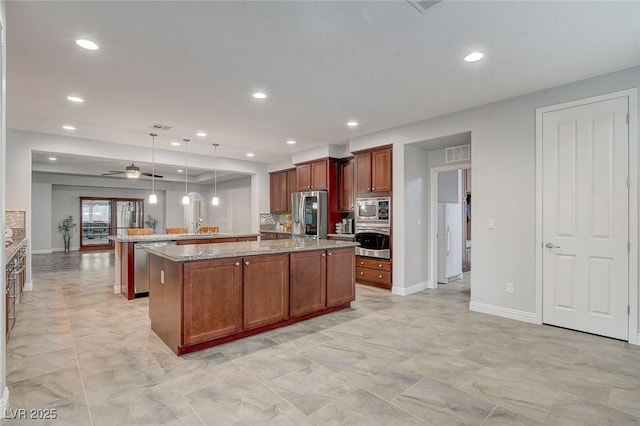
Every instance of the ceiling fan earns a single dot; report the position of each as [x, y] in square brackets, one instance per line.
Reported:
[132, 172]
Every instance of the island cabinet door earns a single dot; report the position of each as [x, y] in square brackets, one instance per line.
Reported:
[266, 290]
[212, 303]
[308, 282]
[341, 279]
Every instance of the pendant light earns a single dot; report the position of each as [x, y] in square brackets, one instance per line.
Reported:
[185, 198]
[153, 198]
[215, 200]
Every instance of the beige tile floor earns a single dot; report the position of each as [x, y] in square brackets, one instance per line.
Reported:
[390, 360]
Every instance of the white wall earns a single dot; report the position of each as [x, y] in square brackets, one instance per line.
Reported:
[41, 220]
[4, 399]
[233, 214]
[503, 162]
[415, 215]
[449, 184]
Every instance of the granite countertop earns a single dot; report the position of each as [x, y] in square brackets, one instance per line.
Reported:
[11, 250]
[275, 232]
[352, 236]
[196, 252]
[174, 237]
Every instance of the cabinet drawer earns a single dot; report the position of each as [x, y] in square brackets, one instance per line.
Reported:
[382, 265]
[366, 274]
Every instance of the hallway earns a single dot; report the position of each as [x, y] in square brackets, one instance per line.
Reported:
[390, 360]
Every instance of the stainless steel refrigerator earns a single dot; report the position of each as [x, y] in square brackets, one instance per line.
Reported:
[309, 214]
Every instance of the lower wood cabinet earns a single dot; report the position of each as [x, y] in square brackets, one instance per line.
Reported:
[193, 305]
[266, 290]
[340, 277]
[308, 282]
[212, 301]
[374, 272]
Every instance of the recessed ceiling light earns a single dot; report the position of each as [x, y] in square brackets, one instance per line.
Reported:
[180, 170]
[68, 127]
[201, 134]
[87, 44]
[250, 154]
[474, 57]
[259, 95]
[352, 123]
[291, 142]
[175, 143]
[75, 99]
[53, 159]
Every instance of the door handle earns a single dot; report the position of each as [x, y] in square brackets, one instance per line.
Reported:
[551, 245]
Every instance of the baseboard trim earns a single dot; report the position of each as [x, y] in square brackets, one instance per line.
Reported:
[4, 402]
[634, 341]
[116, 289]
[42, 251]
[62, 249]
[406, 291]
[503, 312]
[28, 286]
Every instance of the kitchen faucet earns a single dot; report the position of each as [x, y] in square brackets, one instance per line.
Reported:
[199, 225]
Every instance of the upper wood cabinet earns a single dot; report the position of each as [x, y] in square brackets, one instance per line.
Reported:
[373, 171]
[346, 193]
[282, 185]
[313, 176]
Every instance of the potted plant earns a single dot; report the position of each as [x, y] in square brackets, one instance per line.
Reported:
[65, 227]
[151, 222]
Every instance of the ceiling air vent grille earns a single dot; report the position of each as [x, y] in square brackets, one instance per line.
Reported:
[458, 153]
[423, 5]
[159, 126]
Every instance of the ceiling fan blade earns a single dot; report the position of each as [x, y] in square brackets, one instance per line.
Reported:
[112, 172]
[151, 174]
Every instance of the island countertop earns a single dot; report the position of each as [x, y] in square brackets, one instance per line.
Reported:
[174, 237]
[192, 253]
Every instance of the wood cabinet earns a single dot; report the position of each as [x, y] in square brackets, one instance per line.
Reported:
[266, 290]
[373, 172]
[308, 282]
[195, 305]
[346, 189]
[282, 184]
[212, 300]
[215, 240]
[266, 235]
[340, 277]
[313, 176]
[374, 272]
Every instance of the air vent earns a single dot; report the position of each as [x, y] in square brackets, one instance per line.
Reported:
[423, 5]
[458, 153]
[159, 127]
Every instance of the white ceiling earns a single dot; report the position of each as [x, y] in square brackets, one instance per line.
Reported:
[194, 65]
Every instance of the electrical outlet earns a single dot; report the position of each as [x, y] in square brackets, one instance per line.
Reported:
[509, 288]
[161, 277]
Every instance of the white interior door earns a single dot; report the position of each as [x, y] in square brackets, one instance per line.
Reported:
[585, 218]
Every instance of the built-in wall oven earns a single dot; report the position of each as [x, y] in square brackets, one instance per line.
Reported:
[373, 227]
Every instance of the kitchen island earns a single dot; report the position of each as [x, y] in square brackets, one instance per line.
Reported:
[204, 295]
[132, 259]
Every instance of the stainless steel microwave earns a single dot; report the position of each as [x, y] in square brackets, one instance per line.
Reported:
[373, 211]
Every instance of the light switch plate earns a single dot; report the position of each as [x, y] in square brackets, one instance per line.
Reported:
[161, 277]
[491, 224]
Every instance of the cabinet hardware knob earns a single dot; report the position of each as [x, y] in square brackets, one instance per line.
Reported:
[379, 276]
[246, 263]
[237, 263]
[362, 263]
[361, 273]
[330, 254]
[379, 266]
[323, 255]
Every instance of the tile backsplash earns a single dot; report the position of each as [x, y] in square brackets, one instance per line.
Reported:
[17, 222]
[269, 221]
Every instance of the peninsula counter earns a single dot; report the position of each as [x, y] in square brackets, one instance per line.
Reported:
[207, 294]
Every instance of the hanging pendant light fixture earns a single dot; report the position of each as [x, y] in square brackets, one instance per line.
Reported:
[215, 200]
[185, 198]
[153, 198]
